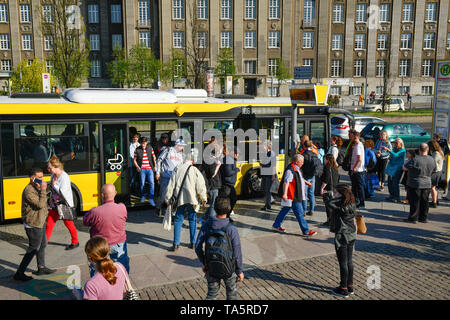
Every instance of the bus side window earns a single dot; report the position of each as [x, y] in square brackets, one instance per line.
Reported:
[7, 150]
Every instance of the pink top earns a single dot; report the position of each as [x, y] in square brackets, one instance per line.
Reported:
[97, 288]
[108, 221]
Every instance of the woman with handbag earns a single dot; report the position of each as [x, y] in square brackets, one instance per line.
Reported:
[61, 201]
[382, 156]
[342, 223]
[108, 283]
[329, 179]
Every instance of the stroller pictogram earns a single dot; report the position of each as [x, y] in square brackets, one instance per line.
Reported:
[116, 164]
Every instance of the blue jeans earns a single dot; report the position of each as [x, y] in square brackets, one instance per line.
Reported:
[118, 253]
[394, 185]
[310, 195]
[297, 207]
[357, 179]
[213, 193]
[147, 174]
[178, 223]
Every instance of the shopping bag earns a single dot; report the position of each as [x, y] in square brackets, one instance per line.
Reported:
[360, 224]
[274, 187]
[167, 222]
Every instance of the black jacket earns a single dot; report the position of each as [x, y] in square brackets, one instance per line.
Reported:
[140, 156]
[211, 183]
[342, 221]
[229, 171]
[312, 165]
[330, 176]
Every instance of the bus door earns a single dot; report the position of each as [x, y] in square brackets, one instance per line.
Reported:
[114, 154]
[1, 188]
[192, 133]
[301, 130]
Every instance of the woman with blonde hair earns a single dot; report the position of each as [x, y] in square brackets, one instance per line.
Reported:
[62, 189]
[394, 169]
[438, 156]
[108, 283]
[382, 156]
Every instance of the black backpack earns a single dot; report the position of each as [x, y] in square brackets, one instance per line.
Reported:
[340, 157]
[219, 258]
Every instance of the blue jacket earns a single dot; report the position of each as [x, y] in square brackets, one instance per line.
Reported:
[379, 147]
[216, 223]
[369, 154]
[396, 162]
[229, 171]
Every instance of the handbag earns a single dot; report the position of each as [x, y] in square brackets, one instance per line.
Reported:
[360, 224]
[173, 201]
[275, 185]
[131, 294]
[58, 201]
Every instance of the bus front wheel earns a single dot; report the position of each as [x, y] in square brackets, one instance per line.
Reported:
[253, 184]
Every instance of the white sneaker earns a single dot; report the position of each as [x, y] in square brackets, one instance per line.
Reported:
[232, 213]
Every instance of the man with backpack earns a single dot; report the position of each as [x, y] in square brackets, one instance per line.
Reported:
[222, 256]
[312, 167]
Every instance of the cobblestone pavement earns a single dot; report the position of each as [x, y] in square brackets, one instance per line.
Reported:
[415, 270]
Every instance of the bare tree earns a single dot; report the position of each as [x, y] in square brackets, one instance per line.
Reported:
[62, 21]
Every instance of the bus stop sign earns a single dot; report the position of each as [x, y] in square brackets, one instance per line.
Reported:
[305, 72]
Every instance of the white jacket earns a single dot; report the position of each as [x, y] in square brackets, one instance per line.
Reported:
[64, 187]
[194, 187]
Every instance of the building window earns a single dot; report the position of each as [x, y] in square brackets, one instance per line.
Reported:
[407, 13]
[144, 39]
[379, 90]
[226, 10]
[95, 69]
[6, 65]
[226, 39]
[273, 91]
[250, 67]
[144, 12]
[94, 41]
[336, 68]
[202, 39]
[250, 39]
[48, 66]
[428, 41]
[273, 67]
[116, 41]
[48, 42]
[361, 13]
[30, 62]
[360, 41]
[116, 13]
[430, 12]
[308, 40]
[338, 13]
[178, 69]
[336, 42]
[25, 13]
[381, 65]
[27, 42]
[358, 68]
[357, 90]
[47, 13]
[427, 90]
[274, 9]
[3, 13]
[93, 13]
[178, 39]
[307, 62]
[382, 40]
[4, 41]
[250, 9]
[405, 41]
[309, 10]
[274, 39]
[336, 91]
[202, 9]
[405, 66]
[427, 68]
[178, 9]
[384, 12]
[403, 90]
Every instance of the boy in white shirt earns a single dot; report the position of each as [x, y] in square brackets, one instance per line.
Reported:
[357, 171]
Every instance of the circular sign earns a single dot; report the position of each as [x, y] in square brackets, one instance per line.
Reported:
[45, 76]
[445, 70]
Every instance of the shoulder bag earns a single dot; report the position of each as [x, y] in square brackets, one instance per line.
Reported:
[360, 224]
[173, 202]
[65, 211]
[131, 294]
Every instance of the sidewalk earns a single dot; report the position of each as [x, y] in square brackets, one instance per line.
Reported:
[153, 266]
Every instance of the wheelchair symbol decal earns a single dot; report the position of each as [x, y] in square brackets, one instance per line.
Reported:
[116, 164]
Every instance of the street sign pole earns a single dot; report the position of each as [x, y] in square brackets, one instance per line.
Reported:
[294, 130]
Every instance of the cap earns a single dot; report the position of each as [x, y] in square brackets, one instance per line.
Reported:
[164, 136]
[180, 142]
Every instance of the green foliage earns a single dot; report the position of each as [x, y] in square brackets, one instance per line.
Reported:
[28, 78]
[282, 72]
[119, 68]
[143, 67]
[225, 64]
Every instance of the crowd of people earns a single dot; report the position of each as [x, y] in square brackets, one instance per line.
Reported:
[184, 187]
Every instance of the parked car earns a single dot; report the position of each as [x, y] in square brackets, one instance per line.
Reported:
[340, 124]
[412, 134]
[394, 104]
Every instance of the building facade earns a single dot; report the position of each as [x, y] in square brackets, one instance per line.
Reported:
[352, 44]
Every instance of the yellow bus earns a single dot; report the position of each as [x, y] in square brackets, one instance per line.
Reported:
[89, 130]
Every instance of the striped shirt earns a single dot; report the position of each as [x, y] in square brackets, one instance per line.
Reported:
[145, 161]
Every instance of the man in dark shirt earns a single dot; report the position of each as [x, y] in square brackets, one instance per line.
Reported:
[418, 183]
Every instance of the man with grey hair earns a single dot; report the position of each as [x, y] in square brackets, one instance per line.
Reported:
[418, 183]
[292, 193]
